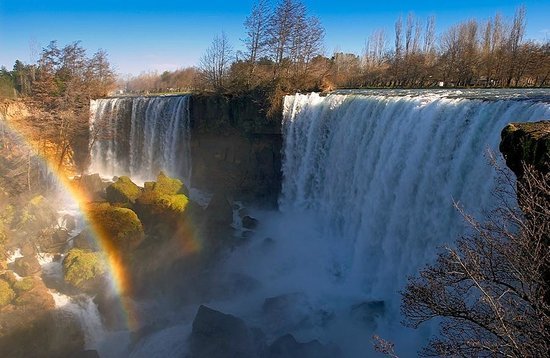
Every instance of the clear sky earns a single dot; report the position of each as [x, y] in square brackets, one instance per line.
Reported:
[165, 35]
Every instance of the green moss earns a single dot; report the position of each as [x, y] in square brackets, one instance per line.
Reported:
[119, 225]
[81, 266]
[24, 285]
[6, 293]
[123, 191]
[167, 185]
[157, 203]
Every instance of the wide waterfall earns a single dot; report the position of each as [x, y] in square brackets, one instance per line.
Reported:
[139, 136]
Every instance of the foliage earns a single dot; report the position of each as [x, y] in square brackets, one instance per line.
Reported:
[491, 291]
[123, 191]
[80, 266]
[6, 293]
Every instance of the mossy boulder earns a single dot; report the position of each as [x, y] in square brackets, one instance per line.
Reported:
[82, 269]
[167, 185]
[163, 197]
[120, 228]
[6, 293]
[123, 191]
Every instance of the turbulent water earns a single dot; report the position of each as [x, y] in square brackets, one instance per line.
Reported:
[139, 136]
[369, 180]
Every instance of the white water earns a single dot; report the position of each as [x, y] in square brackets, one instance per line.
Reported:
[139, 136]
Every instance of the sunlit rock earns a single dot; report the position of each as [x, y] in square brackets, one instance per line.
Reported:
[122, 191]
[83, 269]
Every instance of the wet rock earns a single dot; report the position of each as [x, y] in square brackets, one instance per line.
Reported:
[68, 222]
[527, 143]
[91, 186]
[287, 347]
[216, 334]
[85, 241]
[368, 312]
[26, 266]
[249, 222]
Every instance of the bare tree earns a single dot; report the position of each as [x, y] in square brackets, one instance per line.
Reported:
[214, 64]
[490, 292]
[256, 25]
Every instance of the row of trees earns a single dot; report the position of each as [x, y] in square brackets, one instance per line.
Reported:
[284, 48]
[59, 89]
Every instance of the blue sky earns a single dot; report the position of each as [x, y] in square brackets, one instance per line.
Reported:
[159, 34]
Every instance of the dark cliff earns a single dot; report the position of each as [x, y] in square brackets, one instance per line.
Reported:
[236, 147]
[527, 143]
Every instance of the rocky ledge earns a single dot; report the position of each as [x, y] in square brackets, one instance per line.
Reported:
[527, 143]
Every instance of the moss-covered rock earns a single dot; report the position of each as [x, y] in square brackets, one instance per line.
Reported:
[6, 293]
[36, 215]
[163, 197]
[527, 143]
[123, 191]
[120, 227]
[81, 268]
[167, 185]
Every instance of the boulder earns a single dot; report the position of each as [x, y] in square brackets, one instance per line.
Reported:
[26, 266]
[83, 269]
[163, 197]
[287, 347]
[85, 240]
[123, 190]
[249, 222]
[368, 312]
[217, 335]
[119, 228]
[91, 186]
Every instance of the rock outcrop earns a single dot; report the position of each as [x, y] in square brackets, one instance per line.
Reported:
[527, 143]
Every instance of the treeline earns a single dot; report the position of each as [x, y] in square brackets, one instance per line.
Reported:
[58, 89]
[284, 50]
[182, 80]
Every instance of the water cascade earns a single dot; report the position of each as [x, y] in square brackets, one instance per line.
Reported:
[139, 136]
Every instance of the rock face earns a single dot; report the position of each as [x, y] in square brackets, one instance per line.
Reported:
[236, 147]
[526, 142]
[216, 334]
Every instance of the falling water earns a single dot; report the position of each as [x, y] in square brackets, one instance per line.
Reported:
[139, 136]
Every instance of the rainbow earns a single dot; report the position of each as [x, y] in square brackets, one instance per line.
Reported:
[116, 270]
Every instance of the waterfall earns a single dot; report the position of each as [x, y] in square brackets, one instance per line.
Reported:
[381, 172]
[139, 136]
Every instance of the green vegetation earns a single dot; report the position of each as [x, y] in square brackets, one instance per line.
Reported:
[80, 267]
[123, 191]
[6, 293]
